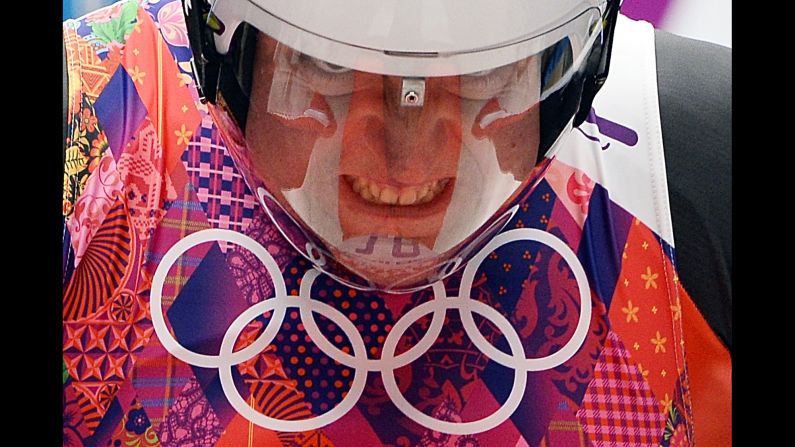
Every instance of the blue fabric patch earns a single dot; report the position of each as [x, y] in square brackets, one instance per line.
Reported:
[535, 410]
[535, 215]
[104, 432]
[200, 316]
[83, 30]
[207, 132]
[538, 209]
[119, 110]
[181, 54]
[153, 7]
[603, 237]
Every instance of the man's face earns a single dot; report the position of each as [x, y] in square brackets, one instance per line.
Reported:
[341, 153]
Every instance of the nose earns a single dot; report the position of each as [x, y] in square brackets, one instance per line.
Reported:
[404, 145]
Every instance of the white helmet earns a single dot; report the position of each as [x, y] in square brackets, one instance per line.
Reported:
[389, 140]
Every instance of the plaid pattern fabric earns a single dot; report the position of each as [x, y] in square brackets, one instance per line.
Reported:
[184, 217]
[221, 191]
[619, 409]
[157, 380]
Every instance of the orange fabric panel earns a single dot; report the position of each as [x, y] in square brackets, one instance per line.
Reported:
[242, 433]
[710, 373]
[642, 312]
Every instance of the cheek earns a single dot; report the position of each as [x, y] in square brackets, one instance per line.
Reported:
[516, 143]
[279, 149]
[280, 154]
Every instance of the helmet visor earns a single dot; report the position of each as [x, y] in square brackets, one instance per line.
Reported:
[388, 180]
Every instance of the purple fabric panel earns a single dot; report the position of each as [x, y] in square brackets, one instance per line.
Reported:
[652, 11]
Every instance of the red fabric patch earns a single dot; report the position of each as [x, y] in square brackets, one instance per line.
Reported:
[645, 312]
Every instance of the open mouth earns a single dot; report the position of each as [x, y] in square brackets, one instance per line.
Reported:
[382, 194]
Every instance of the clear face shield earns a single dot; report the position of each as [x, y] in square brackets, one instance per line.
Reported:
[389, 171]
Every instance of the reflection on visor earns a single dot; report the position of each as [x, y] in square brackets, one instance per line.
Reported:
[298, 78]
[394, 192]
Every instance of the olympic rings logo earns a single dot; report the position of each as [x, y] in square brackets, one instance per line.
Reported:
[359, 361]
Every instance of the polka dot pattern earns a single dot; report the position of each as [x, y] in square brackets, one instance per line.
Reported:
[323, 381]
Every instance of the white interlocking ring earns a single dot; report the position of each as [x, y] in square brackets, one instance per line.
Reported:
[156, 298]
[572, 346]
[454, 428]
[305, 305]
[359, 360]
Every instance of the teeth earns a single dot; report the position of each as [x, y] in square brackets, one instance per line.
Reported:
[389, 195]
[423, 191]
[407, 196]
[375, 190]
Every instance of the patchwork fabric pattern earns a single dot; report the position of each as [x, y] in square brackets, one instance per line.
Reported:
[191, 409]
[106, 263]
[646, 315]
[250, 275]
[168, 175]
[565, 430]
[85, 145]
[619, 408]
[169, 102]
[222, 192]
[158, 380]
[101, 192]
[99, 352]
[148, 190]
[184, 217]
[135, 428]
